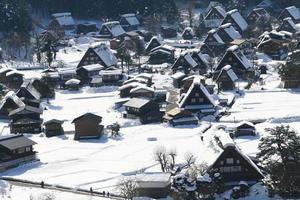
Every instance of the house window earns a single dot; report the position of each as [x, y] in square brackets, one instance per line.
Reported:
[28, 149]
[230, 58]
[238, 161]
[193, 100]
[222, 162]
[229, 160]
[22, 150]
[201, 100]
[197, 94]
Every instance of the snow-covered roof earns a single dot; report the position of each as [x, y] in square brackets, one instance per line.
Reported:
[136, 102]
[131, 19]
[214, 33]
[12, 72]
[178, 75]
[230, 73]
[239, 20]
[196, 83]
[188, 57]
[106, 55]
[239, 55]
[64, 19]
[92, 67]
[12, 95]
[221, 10]
[114, 27]
[72, 81]
[245, 122]
[154, 38]
[141, 88]
[5, 69]
[153, 180]
[110, 72]
[129, 85]
[229, 29]
[294, 12]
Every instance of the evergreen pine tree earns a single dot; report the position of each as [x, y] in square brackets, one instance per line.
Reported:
[280, 147]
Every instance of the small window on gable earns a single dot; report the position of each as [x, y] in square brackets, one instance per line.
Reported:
[197, 94]
[238, 161]
[201, 100]
[193, 100]
[222, 162]
[229, 160]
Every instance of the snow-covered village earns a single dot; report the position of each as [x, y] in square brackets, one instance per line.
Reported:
[148, 100]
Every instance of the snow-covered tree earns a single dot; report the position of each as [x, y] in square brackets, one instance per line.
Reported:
[277, 150]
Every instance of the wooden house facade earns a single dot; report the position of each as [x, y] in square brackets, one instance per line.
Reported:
[15, 150]
[99, 54]
[176, 117]
[88, 126]
[129, 22]
[226, 79]
[87, 72]
[26, 120]
[234, 166]
[245, 128]
[236, 20]
[53, 128]
[9, 103]
[237, 60]
[111, 29]
[86, 27]
[257, 14]
[184, 63]
[197, 99]
[214, 17]
[154, 42]
[144, 109]
[14, 79]
[293, 12]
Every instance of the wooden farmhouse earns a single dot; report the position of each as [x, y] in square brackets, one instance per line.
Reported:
[288, 25]
[72, 84]
[3, 72]
[162, 54]
[274, 44]
[177, 79]
[88, 126]
[237, 60]
[126, 88]
[144, 109]
[234, 166]
[228, 33]
[292, 12]
[53, 127]
[257, 14]
[214, 42]
[184, 63]
[25, 120]
[99, 54]
[111, 29]
[66, 74]
[245, 128]
[111, 76]
[86, 27]
[61, 23]
[14, 79]
[154, 42]
[87, 72]
[226, 79]
[236, 20]
[176, 117]
[9, 103]
[203, 62]
[142, 91]
[129, 22]
[43, 87]
[153, 185]
[214, 17]
[15, 150]
[188, 34]
[197, 99]
[28, 91]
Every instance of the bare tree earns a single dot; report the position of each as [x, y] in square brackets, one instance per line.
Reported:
[160, 155]
[190, 159]
[127, 187]
[172, 153]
